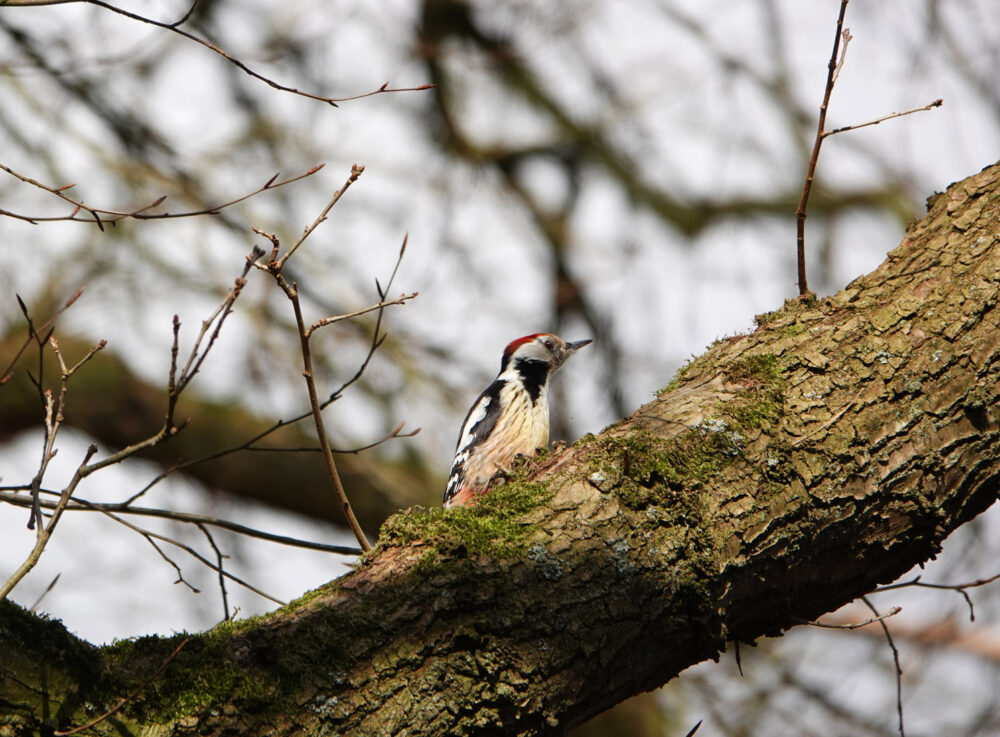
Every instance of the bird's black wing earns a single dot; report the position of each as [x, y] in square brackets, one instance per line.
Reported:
[479, 423]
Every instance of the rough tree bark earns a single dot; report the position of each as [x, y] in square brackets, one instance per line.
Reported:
[781, 475]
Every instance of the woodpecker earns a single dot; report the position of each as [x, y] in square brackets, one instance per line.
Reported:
[510, 418]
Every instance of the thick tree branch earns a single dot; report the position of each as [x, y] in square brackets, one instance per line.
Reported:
[781, 475]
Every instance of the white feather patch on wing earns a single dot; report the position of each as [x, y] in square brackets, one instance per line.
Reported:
[476, 416]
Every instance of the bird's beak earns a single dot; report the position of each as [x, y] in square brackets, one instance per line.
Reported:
[574, 347]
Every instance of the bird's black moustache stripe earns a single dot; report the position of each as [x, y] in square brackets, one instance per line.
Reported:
[533, 376]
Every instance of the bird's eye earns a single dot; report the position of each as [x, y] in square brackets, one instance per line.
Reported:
[548, 343]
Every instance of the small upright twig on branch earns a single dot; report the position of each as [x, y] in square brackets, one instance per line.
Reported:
[833, 71]
[38, 601]
[800, 213]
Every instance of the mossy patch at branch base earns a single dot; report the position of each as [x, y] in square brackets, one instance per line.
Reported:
[494, 526]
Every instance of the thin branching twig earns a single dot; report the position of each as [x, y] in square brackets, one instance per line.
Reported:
[219, 557]
[356, 171]
[317, 412]
[895, 659]
[800, 212]
[834, 66]
[274, 266]
[180, 377]
[249, 446]
[78, 504]
[852, 625]
[54, 407]
[151, 536]
[930, 106]
[378, 337]
[101, 216]
[45, 531]
[175, 28]
[33, 331]
[959, 587]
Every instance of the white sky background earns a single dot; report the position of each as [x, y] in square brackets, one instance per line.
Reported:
[708, 134]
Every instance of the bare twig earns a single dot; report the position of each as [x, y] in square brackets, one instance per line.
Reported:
[52, 585]
[833, 72]
[54, 416]
[248, 445]
[147, 536]
[77, 504]
[396, 432]
[222, 579]
[800, 212]
[357, 313]
[356, 171]
[895, 658]
[274, 266]
[317, 412]
[99, 215]
[53, 421]
[128, 698]
[197, 356]
[48, 453]
[175, 28]
[150, 536]
[179, 379]
[32, 333]
[937, 103]
[377, 339]
[45, 531]
[959, 587]
[852, 625]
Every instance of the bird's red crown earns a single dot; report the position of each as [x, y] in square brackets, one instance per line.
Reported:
[515, 344]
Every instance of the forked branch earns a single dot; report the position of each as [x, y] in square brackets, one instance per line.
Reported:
[836, 63]
[274, 266]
